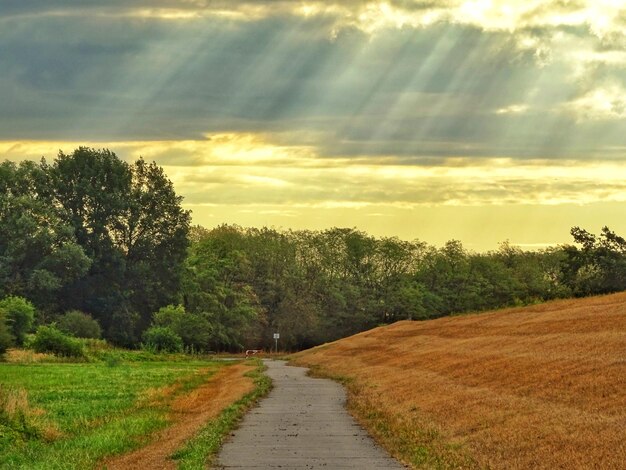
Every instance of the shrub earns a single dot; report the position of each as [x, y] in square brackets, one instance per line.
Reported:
[19, 313]
[50, 339]
[162, 339]
[195, 330]
[6, 337]
[79, 324]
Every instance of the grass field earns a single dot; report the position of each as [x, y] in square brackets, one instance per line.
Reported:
[536, 387]
[64, 416]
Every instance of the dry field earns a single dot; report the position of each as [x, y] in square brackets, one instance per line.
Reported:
[535, 387]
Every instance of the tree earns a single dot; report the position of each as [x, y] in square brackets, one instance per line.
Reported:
[599, 266]
[153, 234]
[39, 254]
[130, 222]
[215, 288]
[90, 186]
[19, 313]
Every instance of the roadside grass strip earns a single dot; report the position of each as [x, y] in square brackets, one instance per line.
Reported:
[200, 451]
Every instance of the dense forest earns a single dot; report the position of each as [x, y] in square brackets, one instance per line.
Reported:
[93, 240]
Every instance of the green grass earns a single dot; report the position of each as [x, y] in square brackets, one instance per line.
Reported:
[94, 410]
[199, 452]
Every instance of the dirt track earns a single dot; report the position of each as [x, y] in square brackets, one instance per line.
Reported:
[302, 424]
[189, 413]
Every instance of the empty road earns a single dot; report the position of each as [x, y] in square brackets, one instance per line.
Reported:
[302, 424]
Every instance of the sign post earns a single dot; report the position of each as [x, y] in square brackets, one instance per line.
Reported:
[276, 336]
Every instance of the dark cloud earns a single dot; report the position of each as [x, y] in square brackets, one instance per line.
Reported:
[426, 92]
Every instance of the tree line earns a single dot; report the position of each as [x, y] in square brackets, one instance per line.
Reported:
[93, 234]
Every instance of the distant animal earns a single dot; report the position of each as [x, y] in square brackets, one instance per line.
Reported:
[252, 352]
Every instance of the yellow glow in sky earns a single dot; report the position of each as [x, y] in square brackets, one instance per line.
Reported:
[247, 179]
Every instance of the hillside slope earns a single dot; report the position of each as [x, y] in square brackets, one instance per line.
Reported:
[535, 387]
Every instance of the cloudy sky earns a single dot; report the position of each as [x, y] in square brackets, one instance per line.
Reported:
[479, 120]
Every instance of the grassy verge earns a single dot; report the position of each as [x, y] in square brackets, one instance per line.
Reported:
[70, 416]
[201, 450]
[410, 439]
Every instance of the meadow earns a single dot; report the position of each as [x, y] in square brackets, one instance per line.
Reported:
[79, 415]
[534, 387]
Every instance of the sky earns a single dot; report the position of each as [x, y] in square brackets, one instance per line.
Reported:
[479, 120]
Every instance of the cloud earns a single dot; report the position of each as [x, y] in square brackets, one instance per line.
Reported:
[602, 103]
[601, 16]
[513, 109]
[399, 114]
[355, 78]
[312, 181]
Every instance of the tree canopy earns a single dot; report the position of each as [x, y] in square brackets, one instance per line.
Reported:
[94, 233]
[109, 242]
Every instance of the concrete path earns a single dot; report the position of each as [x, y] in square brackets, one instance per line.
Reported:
[302, 424]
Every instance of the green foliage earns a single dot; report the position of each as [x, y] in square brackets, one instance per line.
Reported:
[6, 337]
[91, 232]
[122, 328]
[168, 315]
[315, 287]
[599, 266]
[194, 329]
[79, 324]
[162, 339]
[49, 339]
[19, 313]
[38, 251]
[215, 289]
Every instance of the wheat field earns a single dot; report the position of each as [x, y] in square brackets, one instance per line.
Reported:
[536, 387]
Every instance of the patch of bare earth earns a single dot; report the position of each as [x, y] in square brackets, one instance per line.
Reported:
[188, 414]
[536, 387]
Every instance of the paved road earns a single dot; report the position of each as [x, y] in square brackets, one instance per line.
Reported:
[302, 424]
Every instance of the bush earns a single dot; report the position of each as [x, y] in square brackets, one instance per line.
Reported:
[162, 339]
[6, 337]
[79, 324]
[50, 339]
[195, 330]
[19, 313]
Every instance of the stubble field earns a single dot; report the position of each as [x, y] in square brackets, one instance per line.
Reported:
[535, 387]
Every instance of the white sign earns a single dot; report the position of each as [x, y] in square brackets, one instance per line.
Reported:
[276, 335]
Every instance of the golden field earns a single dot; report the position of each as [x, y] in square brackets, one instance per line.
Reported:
[535, 387]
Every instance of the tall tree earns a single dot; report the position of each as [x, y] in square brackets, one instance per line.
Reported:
[130, 222]
[153, 235]
[39, 253]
